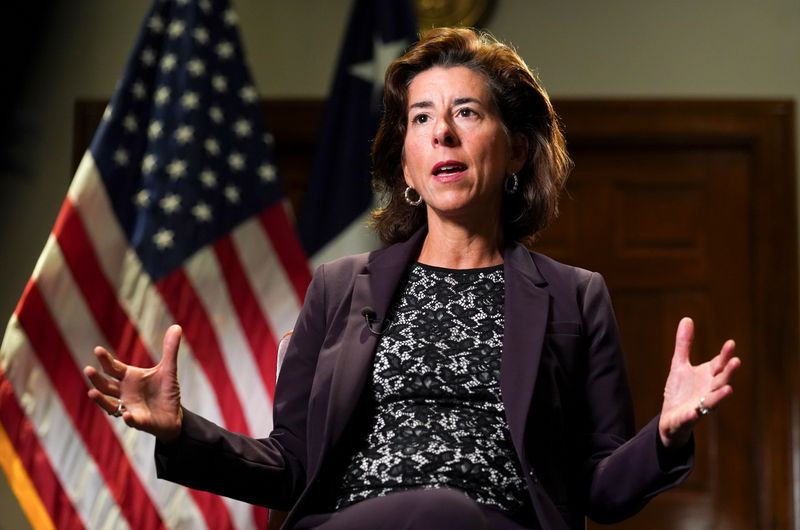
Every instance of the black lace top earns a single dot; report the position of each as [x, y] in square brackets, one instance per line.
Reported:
[434, 416]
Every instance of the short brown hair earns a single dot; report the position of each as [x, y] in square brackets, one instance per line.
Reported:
[525, 111]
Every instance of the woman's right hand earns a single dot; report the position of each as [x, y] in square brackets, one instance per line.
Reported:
[151, 397]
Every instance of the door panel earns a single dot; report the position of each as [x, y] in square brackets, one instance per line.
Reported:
[668, 229]
[668, 225]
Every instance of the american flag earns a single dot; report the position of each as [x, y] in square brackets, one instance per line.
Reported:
[175, 214]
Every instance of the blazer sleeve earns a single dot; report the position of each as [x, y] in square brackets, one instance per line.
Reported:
[269, 471]
[624, 471]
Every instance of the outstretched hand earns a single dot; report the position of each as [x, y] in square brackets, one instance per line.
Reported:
[149, 399]
[692, 391]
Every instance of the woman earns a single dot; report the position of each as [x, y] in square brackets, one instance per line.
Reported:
[453, 379]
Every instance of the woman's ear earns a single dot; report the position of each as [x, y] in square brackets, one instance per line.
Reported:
[403, 164]
[519, 152]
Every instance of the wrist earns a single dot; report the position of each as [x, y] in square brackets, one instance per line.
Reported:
[674, 439]
[170, 435]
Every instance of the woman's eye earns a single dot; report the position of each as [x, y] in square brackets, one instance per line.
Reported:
[419, 118]
[465, 112]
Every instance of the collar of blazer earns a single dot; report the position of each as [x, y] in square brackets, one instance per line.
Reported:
[525, 312]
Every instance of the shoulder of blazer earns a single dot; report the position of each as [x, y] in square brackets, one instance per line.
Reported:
[346, 267]
[561, 275]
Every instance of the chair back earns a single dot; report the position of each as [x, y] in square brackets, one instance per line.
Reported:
[283, 345]
[277, 517]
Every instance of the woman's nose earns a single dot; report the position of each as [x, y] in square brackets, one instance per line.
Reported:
[444, 134]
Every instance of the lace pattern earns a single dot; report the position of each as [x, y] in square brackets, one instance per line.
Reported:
[435, 415]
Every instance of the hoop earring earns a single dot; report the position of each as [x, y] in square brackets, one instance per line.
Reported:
[511, 184]
[407, 195]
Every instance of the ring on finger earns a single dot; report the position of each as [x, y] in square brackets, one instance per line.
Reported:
[701, 408]
[119, 410]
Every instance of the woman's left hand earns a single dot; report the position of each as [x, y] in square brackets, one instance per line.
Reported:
[693, 391]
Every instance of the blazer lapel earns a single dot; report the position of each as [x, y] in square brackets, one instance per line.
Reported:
[374, 288]
[526, 313]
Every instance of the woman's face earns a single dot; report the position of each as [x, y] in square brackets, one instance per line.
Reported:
[456, 153]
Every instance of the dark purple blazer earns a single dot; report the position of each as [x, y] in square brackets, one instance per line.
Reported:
[563, 384]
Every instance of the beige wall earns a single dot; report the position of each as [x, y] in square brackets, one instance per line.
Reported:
[627, 48]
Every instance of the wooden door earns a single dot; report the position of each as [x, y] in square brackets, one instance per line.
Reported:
[686, 208]
[670, 217]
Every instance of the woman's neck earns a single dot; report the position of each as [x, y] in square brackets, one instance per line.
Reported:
[455, 247]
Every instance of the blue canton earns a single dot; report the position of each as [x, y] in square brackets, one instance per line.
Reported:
[184, 153]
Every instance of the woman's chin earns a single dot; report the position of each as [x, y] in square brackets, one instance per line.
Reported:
[466, 213]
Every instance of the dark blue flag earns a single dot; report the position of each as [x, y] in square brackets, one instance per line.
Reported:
[339, 190]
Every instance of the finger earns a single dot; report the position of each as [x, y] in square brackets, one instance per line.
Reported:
[107, 403]
[713, 399]
[683, 341]
[169, 349]
[102, 383]
[111, 366]
[726, 375]
[721, 360]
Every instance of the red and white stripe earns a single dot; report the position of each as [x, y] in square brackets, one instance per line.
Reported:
[234, 299]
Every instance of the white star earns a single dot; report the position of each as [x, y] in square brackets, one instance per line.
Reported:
[230, 17]
[168, 62]
[190, 100]
[184, 134]
[200, 34]
[242, 128]
[163, 238]
[216, 114]
[373, 71]
[142, 199]
[130, 124]
[232, 194]
[196, 67]
[162, 95]
[155, 130]
[155, 24]
[220, 83]
[212, 146]
[248, 94]
[138, 90]
[224, 50]
[121, 157]
[236, 161]
[109, 110]
[171, 203]
[205, 5]
[208, 178]
[177, 169]
[268, 138]
[176, 28]
[202, 212]
[149, 163]
[183, 2]
[148, 57]
[266, 172]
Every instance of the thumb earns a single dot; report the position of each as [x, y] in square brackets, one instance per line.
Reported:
[683, 341]
[169, 348]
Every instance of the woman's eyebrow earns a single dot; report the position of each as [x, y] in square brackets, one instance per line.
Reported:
[462, 101]
[421, 105]
[428, 104]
